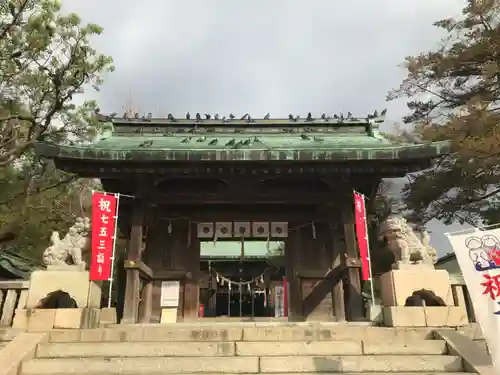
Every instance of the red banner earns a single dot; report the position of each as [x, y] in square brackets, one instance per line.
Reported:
[104, 215]
[361, 234]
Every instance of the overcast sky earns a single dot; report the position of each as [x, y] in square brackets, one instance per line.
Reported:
[259, 56]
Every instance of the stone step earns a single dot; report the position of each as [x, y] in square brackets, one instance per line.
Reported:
[381, 363]
[239, 365]
[398, 347]
[7, 334]
[270, 333]
[242, 348]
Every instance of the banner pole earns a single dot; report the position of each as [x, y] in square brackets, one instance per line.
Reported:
[368, 253]
[365, 222]
[114, 249]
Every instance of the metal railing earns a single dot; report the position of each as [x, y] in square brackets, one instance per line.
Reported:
[13, 295]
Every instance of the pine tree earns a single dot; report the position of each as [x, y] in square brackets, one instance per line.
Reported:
[454, 93]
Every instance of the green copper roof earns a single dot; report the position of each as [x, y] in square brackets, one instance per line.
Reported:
[259, 139]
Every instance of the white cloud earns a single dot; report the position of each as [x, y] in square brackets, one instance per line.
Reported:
[257, 56]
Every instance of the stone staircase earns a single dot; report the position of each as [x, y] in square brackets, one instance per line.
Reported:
[239, 348]
[6, 336]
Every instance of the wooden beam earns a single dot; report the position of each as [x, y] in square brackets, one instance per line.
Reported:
[344, 169]
[235, 197]
[144, 270]
[160, 274]
[314, 274]
[239, 212]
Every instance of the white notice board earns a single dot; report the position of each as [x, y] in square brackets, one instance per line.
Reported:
[169, 294]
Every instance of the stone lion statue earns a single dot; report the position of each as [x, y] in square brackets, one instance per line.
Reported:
[409, 246]
[71, 249]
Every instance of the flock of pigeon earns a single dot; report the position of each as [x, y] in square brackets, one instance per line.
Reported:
[246, 117]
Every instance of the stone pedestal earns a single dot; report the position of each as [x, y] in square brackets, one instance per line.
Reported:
[397, 285]
[70, 279]
[73, 280]
[40, 320]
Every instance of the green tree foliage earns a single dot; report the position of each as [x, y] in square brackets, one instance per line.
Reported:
[35, 200]
[454, 92]
[45, 59]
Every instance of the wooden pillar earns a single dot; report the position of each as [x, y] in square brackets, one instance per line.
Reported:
[133, 283]
[156, 301]
[292, 258]
[337, 264]
[146, 305]
[355, 299]
[212, 301]
[191, 282]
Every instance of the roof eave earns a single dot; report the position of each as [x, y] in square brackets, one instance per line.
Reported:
[395, 152]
